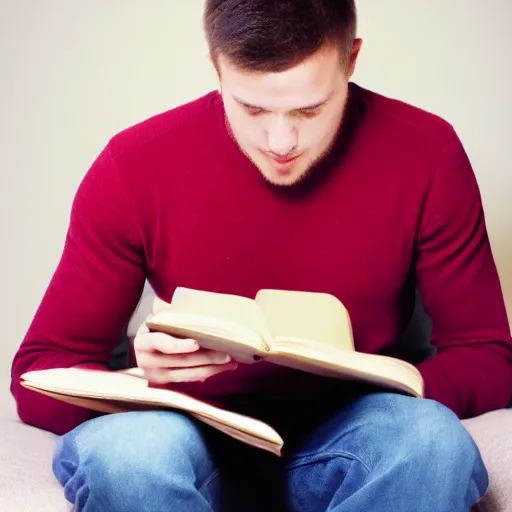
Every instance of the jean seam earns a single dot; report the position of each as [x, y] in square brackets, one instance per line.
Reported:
[209, 480]
[313, 458]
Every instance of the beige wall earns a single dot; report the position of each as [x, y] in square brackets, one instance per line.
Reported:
[75, 72]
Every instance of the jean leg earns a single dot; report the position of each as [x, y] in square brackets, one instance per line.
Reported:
[137, 461]
[387, 452]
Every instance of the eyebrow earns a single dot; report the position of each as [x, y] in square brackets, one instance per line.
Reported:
[306, 107]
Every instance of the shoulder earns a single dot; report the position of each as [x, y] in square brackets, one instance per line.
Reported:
[413, 151]
[167, 129]
[147, 157]
[409, 124]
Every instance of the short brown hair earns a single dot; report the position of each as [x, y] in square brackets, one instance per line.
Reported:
[274, 35]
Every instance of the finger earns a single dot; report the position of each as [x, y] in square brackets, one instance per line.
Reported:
[201, 373]
[200, 358]
[164, 343]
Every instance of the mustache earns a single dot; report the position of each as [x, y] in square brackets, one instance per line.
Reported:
[287, 155]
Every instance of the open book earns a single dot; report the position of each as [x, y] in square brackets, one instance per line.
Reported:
[301, 330]
[305, 331]
[126, 390]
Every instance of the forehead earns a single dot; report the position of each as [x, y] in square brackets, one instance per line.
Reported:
[309, 82]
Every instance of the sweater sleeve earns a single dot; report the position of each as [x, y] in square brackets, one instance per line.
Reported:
[90, 298]
[457, 277]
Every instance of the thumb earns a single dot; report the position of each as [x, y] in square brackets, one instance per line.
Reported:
[143, 329]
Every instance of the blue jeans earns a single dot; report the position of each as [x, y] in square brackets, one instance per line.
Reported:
[377, 452]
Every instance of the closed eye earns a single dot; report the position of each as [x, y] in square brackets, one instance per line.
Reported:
[308, 113]
[305, 113]
[254, 111]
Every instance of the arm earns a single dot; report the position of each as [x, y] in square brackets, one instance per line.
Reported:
[472, 370]
[90, 298]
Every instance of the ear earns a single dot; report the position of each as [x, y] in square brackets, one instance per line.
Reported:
[353, 56]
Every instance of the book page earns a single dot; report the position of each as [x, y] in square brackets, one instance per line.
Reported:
[332, 362]
[111, 391]
[219, 310]
[318, 317]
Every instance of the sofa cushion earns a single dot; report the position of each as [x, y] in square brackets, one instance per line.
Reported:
[26, 480]
[492, 433]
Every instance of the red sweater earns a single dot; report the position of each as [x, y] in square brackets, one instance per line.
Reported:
[395, 205]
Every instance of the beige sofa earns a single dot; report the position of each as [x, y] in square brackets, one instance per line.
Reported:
[27, 483]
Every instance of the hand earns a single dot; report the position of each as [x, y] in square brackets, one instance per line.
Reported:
[164, 358]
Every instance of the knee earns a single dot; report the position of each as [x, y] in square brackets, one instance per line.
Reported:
[429, 431]
[127, 442]
[125, 451]
[434, 429]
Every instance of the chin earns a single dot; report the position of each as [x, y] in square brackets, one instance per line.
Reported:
[284, 180]
[297, 173]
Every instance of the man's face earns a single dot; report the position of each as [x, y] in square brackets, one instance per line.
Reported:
[286, 122]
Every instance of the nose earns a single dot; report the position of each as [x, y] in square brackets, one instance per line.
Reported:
[282, 137]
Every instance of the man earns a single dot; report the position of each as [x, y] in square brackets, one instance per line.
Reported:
[292, 177]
